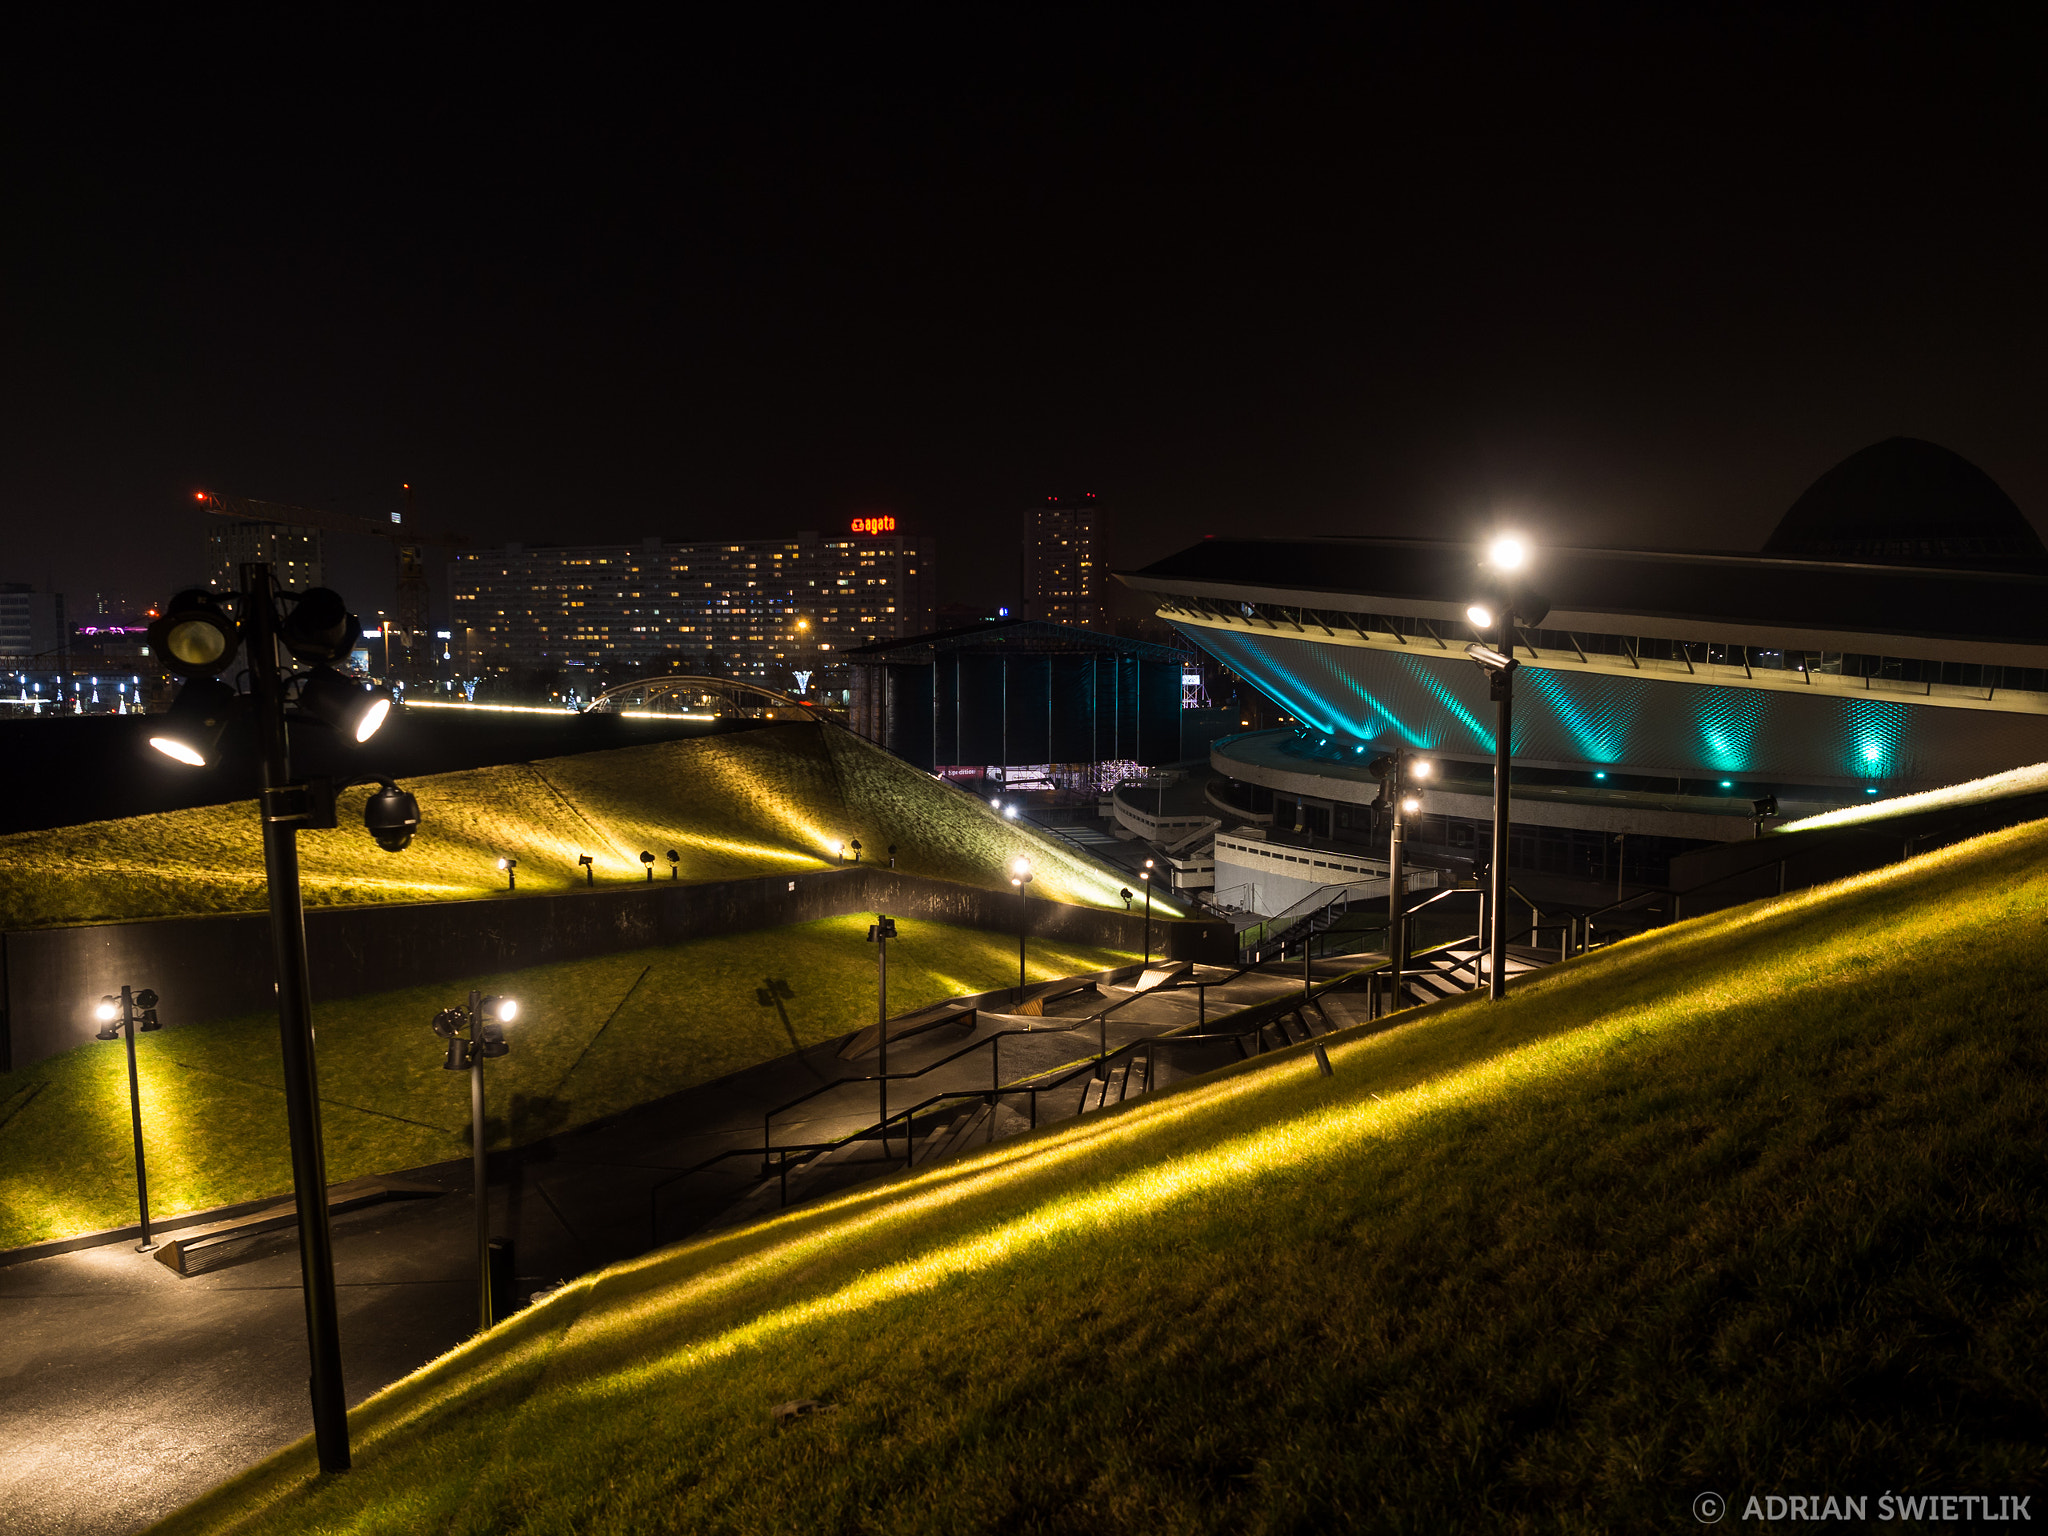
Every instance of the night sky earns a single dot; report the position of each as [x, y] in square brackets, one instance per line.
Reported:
[1625, 279]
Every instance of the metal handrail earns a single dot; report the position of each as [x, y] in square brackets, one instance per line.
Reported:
[1268, 1012]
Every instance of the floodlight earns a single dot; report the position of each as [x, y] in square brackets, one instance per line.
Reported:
[589, 867]
[1020, 866]
[449, 1021]
[1422, 768]
[511, 867]
[855, 846]
[108, 1009]
[194, 637]
[995, 804]
[1479, 616]
[647, 859]
[1411, 805]
[146, 999]
[192, 727]
[392, 815]
[1010, 811]
[320, 627]
[501, 1010]
[1509, 552]
[351, 708]
[1126, 894]
[458, 1055]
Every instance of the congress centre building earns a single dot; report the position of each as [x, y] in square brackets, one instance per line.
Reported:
[1891, 636]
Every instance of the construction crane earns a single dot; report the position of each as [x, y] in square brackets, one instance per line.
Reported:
[408, 547]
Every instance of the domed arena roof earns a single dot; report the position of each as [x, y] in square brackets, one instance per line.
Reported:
[1908, 502]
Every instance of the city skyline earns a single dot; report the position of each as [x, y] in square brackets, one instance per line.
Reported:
[1636, 281]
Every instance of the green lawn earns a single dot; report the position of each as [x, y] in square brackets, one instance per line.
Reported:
[756, 802]
[594, 1037]
[1755, 1203]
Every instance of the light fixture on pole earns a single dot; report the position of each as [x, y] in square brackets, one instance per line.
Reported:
[292, 640]
[675, 865]
[511, 867]
[647, 859]
[589, 867]
[1145, 875]
[485, 1018]
[1493, 616]
[1400, 773]
[119, 1018]
[880, 932]
[1020, 876]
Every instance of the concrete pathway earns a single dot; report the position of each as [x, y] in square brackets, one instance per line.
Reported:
[126, 1391]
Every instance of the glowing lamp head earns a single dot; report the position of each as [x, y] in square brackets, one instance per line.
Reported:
[1479, 616]
[1422, 768]
[1010, 811]
[1411, 805]
[1509, 552]
[501, 1010]
[107, 1011]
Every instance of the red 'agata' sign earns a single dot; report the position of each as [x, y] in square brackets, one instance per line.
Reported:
[885, 524]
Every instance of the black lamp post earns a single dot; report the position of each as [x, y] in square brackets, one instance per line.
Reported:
[1401, 774]
[511, 867]
[588, 865]
[196, 638]
[119, 1017]
[1145, 875]
[880, 932]
[1506, 557]
[647, 859]
[1020, 877]
[675, 865]
[484, 1018]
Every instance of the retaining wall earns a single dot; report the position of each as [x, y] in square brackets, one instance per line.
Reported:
[214, 967]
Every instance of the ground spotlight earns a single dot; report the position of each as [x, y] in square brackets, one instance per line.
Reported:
[647, 859]
[191, 729]
[511, 867]
[675, 861]
[589, 868]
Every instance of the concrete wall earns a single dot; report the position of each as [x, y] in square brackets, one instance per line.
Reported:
[213, 967]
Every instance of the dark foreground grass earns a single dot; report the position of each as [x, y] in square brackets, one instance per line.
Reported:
[595, 1037]
[1755, 1204]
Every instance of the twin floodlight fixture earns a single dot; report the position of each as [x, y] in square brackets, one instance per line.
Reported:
[196, 638]
[108, 1012]
[1506, 601]
[1401, 775]
[486, 1031]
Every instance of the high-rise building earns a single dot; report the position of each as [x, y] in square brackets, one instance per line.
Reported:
[31, 622]
[1063, 570]
[758, 609]
[293, 552]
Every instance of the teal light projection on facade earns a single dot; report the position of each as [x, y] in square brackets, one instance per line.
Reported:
[1437, 701]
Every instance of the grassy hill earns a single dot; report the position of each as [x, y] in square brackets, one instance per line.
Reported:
[753, 803]
[1754, 1204]
[594, 1037]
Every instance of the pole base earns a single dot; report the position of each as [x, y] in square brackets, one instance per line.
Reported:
[147, 1247]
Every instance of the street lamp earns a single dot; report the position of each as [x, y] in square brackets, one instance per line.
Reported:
[484, 1018]
[119, 1017]
[511, 867]
[880, 932]
[1145, 875]
[1400, 772]
[1493, 616]
[1020, 876]
[292, 641]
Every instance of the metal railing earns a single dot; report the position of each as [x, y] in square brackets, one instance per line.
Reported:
[1251, 1023]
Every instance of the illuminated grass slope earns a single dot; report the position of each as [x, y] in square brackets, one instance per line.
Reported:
[594, 1037]
[1755, 1202]
[2030, 780]
[751, 803]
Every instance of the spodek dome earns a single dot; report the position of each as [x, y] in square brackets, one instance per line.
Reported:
[1891, 636]
[1908, 502]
